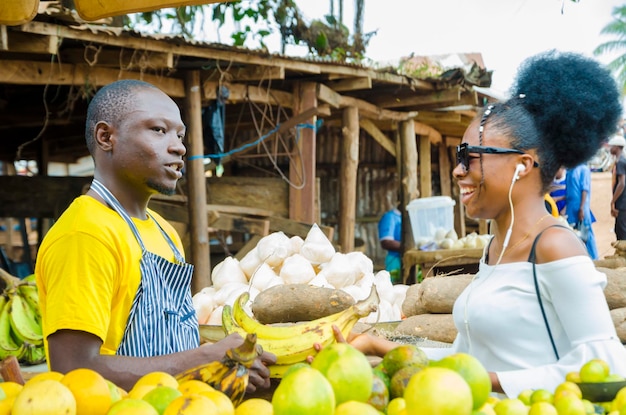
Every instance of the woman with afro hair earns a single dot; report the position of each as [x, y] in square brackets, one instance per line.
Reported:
[536, 309]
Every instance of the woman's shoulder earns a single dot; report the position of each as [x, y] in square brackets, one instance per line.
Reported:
[558, 242]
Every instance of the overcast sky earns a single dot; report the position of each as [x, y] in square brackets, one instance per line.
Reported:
[504, 31]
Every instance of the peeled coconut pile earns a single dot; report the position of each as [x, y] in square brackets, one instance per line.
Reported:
[281, 260]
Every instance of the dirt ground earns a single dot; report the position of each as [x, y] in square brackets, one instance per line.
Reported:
[600, 206]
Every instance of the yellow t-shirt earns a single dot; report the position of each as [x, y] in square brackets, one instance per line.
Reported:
[87, 269]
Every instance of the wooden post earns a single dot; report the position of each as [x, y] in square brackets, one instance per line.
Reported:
[196, 183]
[302, 200]
[408, 179]
[445, 170]
[349, 164]
[425, 166]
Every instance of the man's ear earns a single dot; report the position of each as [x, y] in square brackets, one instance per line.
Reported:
[103, 133]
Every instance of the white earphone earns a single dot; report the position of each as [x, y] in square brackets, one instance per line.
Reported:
[518, 169]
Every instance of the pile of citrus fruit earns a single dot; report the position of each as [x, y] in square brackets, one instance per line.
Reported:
[339, 381]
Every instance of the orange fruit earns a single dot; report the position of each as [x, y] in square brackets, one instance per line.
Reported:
[567, 386]
[438, 391]
[157, 379]
[192, 386]
[46, 375]
[47, 397]
[542, 408]
[139, 391]
[510, 406]
[224, 404]
[348, 371]
[191, 405]
[355, 407]
[132, 406]
[403, 355]
[569, 405]
[11, 388]
[90, 389]
[473, 372]
[254, 406]
[541, 395]
[305, 391]
[161, 396]
[594, 371]
[396, 406]
[379, 396]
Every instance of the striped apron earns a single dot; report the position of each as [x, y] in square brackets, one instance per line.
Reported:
[162, 319]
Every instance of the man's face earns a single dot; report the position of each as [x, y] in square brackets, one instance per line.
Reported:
[149, 148]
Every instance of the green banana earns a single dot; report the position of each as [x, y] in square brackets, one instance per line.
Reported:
[33, 355]
[25, 322]
[8, 345]
[30, 294]
[293, 344]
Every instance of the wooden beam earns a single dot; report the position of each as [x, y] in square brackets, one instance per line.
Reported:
[408, 180]
[128, 59]
[446, 97]
[428, 117]
[302, 171]
[351, 84]
[4, 38]
[427, 130]
[37, 44]
[244, 224]
[425, 166]
[21, 72]
[179, 213]
[327, 95]
[348, 167]
[374, 112]
[242, 92]
[378, 136]
[196, 184]
[445, 169]
[245, 73]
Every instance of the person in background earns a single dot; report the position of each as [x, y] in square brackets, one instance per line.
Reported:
[558, 189]
[618, 202]
[114, 287]
[536, 308]
[390, 236]
[578, 205]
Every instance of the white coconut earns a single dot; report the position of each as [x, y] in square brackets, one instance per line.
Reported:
[225, 292]
[204, 304]
[320, 281]
[215, 319]
[340, 271]
[262, 277]
[250, 262]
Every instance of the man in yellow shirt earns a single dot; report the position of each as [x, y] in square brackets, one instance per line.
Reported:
[114, 285]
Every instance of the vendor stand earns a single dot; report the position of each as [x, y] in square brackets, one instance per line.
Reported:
[440, 257]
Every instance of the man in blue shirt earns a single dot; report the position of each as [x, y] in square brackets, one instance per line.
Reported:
[578, 207]
[390, 236]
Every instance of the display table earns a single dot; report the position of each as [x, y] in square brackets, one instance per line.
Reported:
[439, 257]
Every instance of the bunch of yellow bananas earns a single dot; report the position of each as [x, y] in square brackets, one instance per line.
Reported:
[230, 375]
[294, 343]
[20, 320]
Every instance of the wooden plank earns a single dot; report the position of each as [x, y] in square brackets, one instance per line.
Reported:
[179, 213]
[43, 73]
[425, 167]
[445, 170]
[46, 197]
[177, 48]
[249, 246]
[250, 192]
[254, 73]
[433, 135]
[408, 178]
[239, 223]
[327, 95]
[351, 84]
[440, 257]
[128, 59]
[196, 184]
[348, 167]
[180, 200]
[428, 117]
[4, 38]
[447, 97]
[242, 92]
[380, 137]
[372, 111]
[37, 44]
[302, 171]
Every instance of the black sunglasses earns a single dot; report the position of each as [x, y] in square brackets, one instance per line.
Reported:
[463, 153]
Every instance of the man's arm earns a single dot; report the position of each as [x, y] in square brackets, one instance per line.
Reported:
[71, 349]
[619, 189]
[390, 245]
[581, 209]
